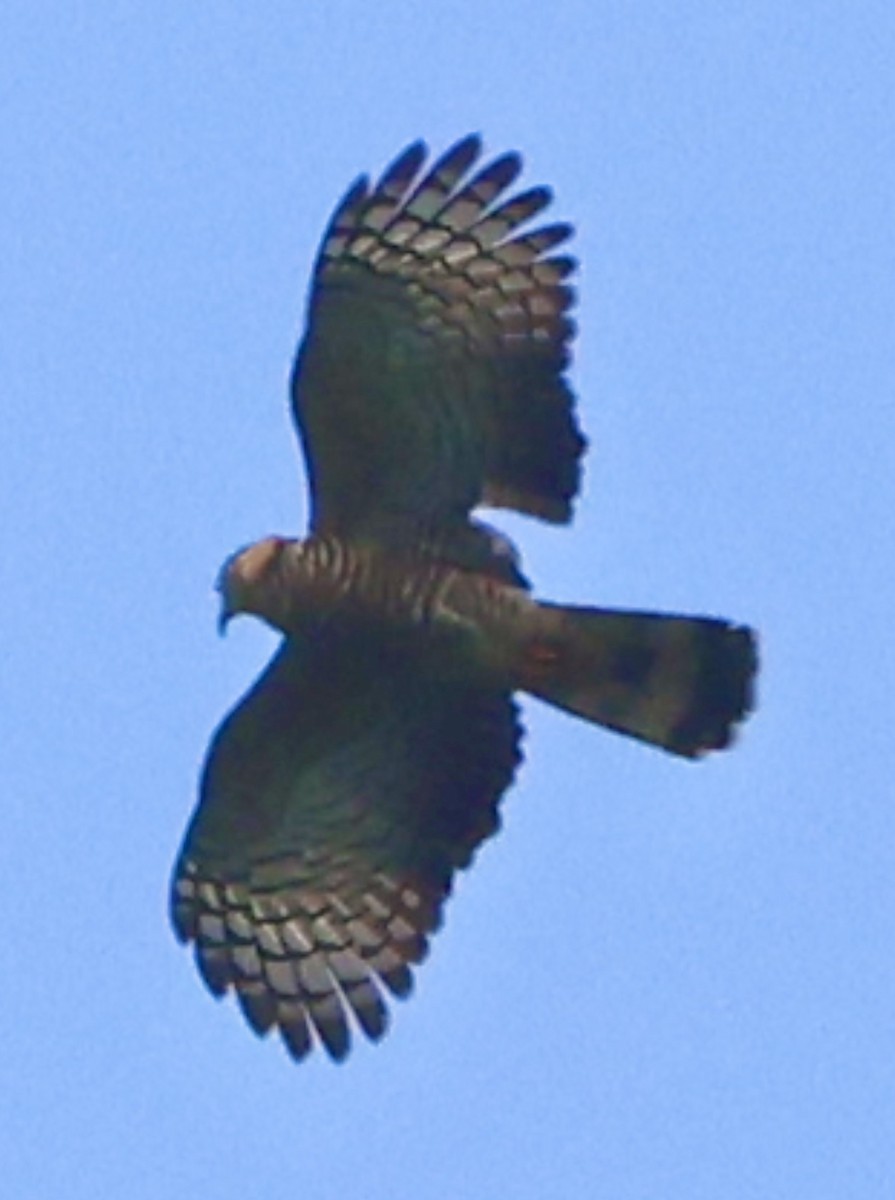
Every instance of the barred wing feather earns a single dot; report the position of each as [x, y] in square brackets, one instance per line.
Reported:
[431, 377]
[338, 798]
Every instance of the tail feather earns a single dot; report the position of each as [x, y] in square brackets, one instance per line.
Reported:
[681, 683]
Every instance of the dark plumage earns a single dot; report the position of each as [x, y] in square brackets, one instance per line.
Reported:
[367, 763]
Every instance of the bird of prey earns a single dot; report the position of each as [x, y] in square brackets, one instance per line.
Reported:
[367, 763]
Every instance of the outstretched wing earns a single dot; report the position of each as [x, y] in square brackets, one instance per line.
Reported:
[337, 800]
[431, 375]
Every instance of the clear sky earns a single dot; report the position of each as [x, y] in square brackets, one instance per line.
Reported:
[662, 981]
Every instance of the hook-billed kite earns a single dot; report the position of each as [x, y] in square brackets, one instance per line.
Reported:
[367, 763]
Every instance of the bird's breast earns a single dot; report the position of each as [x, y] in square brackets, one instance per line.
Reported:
[327, 578]
[458, 621]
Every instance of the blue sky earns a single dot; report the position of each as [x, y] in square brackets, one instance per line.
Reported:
[661, 980]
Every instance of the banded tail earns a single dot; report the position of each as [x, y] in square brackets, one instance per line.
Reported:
[681, 683]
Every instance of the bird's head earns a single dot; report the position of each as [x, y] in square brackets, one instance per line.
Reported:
[247, 580]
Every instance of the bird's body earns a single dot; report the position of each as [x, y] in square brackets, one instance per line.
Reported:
[367, 763]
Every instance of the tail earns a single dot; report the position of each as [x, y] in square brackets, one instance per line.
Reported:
[681, 683]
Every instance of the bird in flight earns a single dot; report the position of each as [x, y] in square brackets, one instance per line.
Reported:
[367, 763]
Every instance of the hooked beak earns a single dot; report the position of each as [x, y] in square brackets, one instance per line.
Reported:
[228, 609]
[225, 616]
[224, 586]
